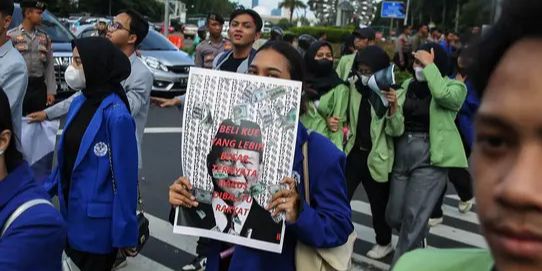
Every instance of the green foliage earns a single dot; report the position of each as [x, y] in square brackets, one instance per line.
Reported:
[304, 21]
[222, 7]
[153, 9]
[442, 13]
[334, 34]
[284, 23]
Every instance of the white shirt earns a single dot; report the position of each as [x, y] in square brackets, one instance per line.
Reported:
[238, 219]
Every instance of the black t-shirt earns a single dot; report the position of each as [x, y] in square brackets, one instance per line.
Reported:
[416, 109]
[72, 141]
[231, 64]
[363, 134]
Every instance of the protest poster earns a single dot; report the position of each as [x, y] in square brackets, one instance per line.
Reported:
[238, 143]
[38, 141]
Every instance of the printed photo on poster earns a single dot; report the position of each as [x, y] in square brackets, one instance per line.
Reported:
[238, 143]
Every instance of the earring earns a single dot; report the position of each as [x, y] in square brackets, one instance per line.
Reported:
[2, 152]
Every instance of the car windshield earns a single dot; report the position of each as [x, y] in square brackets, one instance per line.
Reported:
[156, 42]
[55, 29]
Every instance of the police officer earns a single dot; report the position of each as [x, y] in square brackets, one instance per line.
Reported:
[35, 47]
[208, 49]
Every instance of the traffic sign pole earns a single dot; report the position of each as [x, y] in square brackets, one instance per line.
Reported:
[406, 13]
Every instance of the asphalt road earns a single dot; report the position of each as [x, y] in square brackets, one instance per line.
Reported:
[168, 251]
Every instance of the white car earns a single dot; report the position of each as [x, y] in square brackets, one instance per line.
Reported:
[169, 65]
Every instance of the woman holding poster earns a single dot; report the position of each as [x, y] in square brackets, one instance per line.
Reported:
[326, 223]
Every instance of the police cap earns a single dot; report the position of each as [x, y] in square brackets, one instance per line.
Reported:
[33, 4]
[215, 17]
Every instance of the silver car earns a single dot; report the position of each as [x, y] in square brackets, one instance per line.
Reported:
[169, 65]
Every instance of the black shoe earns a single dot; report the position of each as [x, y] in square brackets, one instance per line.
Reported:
[120, 262]
[198, 264]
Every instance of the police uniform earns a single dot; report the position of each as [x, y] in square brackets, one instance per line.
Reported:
[35, 47]
[206, 52]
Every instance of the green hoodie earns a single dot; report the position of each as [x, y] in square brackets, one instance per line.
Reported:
[446, 146]
[380, 160]
[446, 260]
[332, 104]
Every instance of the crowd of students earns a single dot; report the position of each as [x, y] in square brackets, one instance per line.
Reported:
[403, 155]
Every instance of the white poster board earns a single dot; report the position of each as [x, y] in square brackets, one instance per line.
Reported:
[239, 134]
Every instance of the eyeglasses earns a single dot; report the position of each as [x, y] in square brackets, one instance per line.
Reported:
[117, 26]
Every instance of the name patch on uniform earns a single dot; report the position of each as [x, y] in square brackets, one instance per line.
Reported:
[100, 149]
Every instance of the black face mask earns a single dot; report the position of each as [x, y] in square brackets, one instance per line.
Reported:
[323, 66]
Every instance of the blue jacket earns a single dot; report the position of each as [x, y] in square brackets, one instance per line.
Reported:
[465, 117]
[35, 240]
[98, 219]
[327, 225]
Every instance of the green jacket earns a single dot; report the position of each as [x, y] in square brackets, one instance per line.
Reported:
[447, 98]
[380, 160]
[345, 65]
[332, 104]
[445, 260]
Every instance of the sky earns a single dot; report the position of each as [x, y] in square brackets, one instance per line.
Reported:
[270, 4]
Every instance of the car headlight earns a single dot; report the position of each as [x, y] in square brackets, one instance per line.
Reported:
[154, 63]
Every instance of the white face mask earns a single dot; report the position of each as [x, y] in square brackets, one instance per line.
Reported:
[75, 78]
[419, 74]
[365, 79]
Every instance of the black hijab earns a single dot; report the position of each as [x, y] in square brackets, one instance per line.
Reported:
[421, 89]
[375, 58]
[105, 67]
[319, 80]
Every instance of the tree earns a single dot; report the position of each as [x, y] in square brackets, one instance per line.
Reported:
[292, 5]
[202, 7]
[446, 14]
[152, 9]
[284, 24]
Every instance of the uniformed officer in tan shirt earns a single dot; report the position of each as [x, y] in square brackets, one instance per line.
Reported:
[35, 47]
[208, 49]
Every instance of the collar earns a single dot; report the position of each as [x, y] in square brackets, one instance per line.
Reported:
[14, 183]
[210, 41]
[221, 219]
[21, 28]
[133, 57]
[4, 49]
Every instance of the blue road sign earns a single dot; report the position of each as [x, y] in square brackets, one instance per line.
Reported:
[395, 10]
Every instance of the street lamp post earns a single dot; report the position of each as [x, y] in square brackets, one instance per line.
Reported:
[406, 13]
[166, 18]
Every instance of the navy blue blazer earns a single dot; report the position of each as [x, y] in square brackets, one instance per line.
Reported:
[36, 239]
[98, 219]
[325, 224]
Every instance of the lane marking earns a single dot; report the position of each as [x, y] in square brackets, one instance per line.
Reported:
[142, 263]
[442, 230]
[163, 231]
[450, 211]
